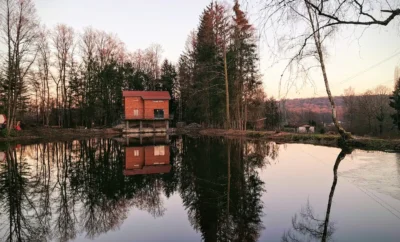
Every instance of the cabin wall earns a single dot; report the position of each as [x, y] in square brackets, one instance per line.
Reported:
[152, 159]
[150, 105]
[132, 161]
[132, 103]
[145, 108]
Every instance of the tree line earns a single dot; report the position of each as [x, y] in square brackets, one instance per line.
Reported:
[219, 78]
[62, 77]
[368, 112]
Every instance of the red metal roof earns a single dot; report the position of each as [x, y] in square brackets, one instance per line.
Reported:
[152, 95]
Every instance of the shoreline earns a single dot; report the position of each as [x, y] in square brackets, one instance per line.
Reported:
[58, 134]
[332, 140]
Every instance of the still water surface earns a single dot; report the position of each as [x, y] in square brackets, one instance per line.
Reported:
[196, 189]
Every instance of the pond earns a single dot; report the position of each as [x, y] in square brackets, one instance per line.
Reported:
[196, 189]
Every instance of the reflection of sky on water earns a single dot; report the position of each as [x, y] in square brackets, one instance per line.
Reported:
[140, 226]
[377, 172]
[366, 204]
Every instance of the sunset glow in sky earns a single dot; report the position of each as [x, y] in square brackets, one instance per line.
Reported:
[359, 59]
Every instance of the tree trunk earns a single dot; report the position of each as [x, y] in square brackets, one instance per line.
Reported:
[228, 121]
[245, 115]
[318, 45]
[229, 179]
[10, 76]
[340, 157]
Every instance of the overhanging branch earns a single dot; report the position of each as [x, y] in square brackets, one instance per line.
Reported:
[336, 20]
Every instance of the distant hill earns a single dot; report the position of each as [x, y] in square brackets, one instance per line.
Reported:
[319, 105]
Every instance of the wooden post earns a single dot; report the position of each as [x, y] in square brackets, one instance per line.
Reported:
[127, 125]
[154, 127]
[140, 126]
[166, 125]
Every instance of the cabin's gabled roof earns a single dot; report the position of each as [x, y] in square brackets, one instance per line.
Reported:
[148, 95]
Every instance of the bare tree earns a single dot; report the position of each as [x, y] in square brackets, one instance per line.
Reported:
[367, 112]
[350, 102]
[63, 41]
[19, 35]
[303, 37]
[109, 48]
[355, 12]
[153, 56]
[298, 22]
[381, 106]
[43, 65]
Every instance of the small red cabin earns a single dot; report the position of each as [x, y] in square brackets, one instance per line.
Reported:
[147, 160]
[146, 106]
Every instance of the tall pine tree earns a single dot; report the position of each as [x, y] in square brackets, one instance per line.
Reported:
[395, 104]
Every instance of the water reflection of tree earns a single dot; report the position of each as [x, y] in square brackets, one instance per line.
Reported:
[55, 191]
[306, 225]
[19, 219]
[221, 189]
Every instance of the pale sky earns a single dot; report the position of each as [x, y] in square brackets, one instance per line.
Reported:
[139, 23]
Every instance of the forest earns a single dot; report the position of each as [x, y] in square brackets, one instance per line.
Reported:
[71, 78]
[62, 77]
[366, 113]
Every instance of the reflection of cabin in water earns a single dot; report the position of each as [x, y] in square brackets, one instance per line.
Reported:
[146, 111]
[146, 157]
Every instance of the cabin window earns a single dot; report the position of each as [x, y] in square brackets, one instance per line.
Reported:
[157, 101]
[158, 113]
[159, 150]
[136, 112]
[136, 153]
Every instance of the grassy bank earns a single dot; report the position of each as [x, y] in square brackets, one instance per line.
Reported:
[60, 134]
[57, 134]
[365, 143]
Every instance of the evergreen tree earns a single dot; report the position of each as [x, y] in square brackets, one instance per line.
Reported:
[395, 104]
[217, 74]
[186, 80]
[168, 82]
[271, 113]
[208, 80]
[244, 65]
